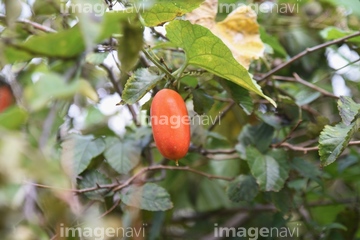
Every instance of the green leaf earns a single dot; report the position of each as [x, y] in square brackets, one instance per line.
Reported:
[51, 86]
[204, 49]
[149, 197]
[122, 154]
[348, 109]
[91, 179]
[96, 58]
[331, 33]
[142, 81]
[13, 118]
[259, 136]
[283, 200]
[240, 95]
[13, 10]
[202, 101]
[243, 188]
[334, 139]
[78, 151]
[65, 44]
[272, 42]
[164, 11]
[130, 44]
[112, 23]
[12, 54]
[270, 172]
[305, 168]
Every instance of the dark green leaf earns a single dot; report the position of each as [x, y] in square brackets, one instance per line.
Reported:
[78, 151]
[270, 172]
[305, 168]
[122, 154]
[92, 179]
[243, 188]
[149, 197]
[283, 200]
[259, 136]
[240, 95]
[202, 101]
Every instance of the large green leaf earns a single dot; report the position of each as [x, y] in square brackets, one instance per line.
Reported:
[334, 139]
[205, 50]
[270, 172]
[122, 154]
[348, 109]
[149, 197]
[164, 10]
[142, 81]
[65, 44]
[243, 188]
[78, 151]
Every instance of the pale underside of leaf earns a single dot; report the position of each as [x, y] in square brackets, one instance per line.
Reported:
[348, 109]
[334, 139]
[139, 84]
[149, 197]
[270, 173]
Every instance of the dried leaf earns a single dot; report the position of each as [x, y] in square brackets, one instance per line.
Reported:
[239, 30]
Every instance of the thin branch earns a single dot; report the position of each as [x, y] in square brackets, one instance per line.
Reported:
[307, 149]
[160, 167]
[312, 86]
[158, 64]
[305, 52]
[33, 24]
[119, 91]
[110, 209]
[223, 113]
[288, 136]
[116, 187]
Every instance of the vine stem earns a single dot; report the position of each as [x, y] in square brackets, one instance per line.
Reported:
[305, 52]
[158, 64]
[116, 186]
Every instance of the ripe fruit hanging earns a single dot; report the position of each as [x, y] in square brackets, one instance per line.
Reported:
[170, 124]
[6, 97]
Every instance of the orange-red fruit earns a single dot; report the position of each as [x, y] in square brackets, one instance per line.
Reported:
[6, 97]
[170, 124]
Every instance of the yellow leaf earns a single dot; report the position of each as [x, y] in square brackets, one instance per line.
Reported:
[239, 30]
